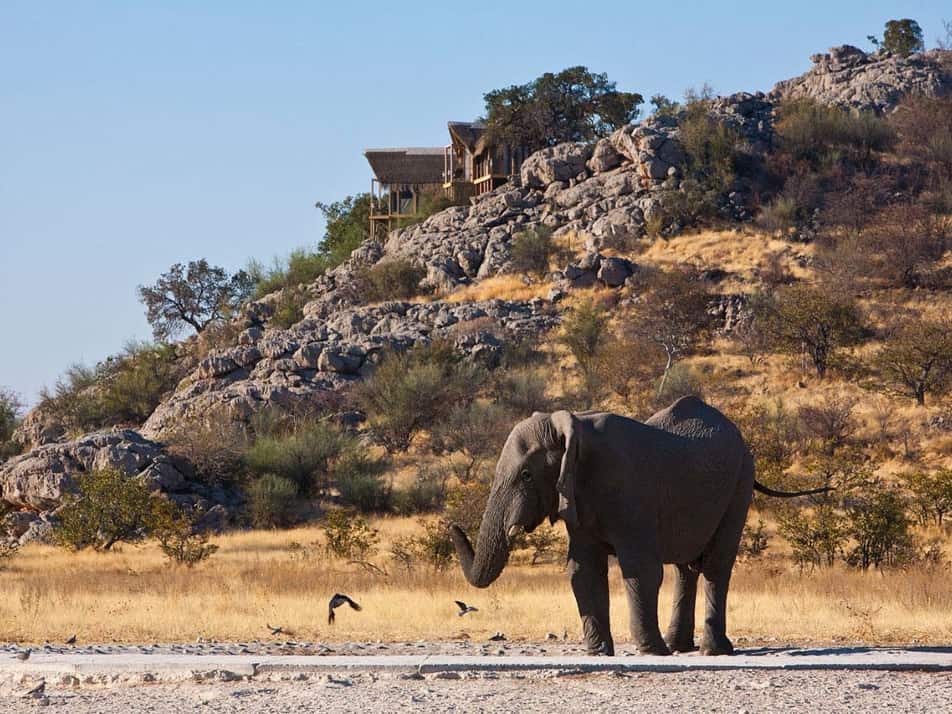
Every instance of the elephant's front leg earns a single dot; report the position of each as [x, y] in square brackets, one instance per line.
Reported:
[643, 574]
[588, 569]
[680, 636]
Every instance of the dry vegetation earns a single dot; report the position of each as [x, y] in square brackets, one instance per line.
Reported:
[284, 578]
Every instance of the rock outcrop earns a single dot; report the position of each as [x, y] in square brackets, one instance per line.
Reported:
[848, 77]
[311, 362]
[35, 483]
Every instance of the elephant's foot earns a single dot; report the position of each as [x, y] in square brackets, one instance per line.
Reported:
[716, 645]
[605, 649]
[681, 643]
[654, 647]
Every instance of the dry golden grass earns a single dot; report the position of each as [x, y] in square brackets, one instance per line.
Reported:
[283, 578]
[500, 287]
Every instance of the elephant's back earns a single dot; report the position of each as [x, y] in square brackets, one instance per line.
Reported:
[692, 418]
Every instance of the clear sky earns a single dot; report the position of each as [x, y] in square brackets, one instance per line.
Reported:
[137, 134]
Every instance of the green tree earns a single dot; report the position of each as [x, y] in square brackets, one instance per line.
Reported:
[532, 249]
[584, 332]
[195, 296]
[10, 407]
[879, 526]
[572, 105]
[903, 37]
[347, 226]
[931, 494]
[109, 508]
[178, 539]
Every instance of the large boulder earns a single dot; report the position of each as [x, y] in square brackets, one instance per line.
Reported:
[848, 77]
[563, 162]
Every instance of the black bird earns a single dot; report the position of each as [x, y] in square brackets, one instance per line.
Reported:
[498, 637]
[38, 691]
[71, 640]
[23, 656]
[336, 601]
[275, 630]
[464, 608]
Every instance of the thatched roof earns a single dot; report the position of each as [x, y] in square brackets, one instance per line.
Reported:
[409, 165]
[467, 132]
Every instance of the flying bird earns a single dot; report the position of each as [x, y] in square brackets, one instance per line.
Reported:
[275, 630]
[464, 608]
[24, 655]
[71, 640]
[336, 601]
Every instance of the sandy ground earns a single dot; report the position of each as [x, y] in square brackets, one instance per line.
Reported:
[732, 691]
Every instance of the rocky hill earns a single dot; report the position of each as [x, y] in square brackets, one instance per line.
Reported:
[607, 196]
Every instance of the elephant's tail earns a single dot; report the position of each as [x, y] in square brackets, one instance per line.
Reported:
[789, 494]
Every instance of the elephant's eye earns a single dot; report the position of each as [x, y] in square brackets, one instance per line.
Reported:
[526, 475]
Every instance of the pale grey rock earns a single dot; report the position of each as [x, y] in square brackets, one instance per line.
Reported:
[558, 163]
[605, 157]
[614, 271]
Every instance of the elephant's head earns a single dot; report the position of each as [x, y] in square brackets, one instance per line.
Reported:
[535, 478]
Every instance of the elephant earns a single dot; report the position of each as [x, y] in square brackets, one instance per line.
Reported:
[673, 489]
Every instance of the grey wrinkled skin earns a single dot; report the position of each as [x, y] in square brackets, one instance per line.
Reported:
[674, 489]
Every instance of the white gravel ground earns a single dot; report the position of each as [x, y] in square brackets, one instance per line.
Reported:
[730, 691]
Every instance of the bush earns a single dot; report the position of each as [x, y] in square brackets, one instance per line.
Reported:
[360, 484]
[878, 524]
[778, 216]
[10, 408]
[917, 356]
[771, 433]
[584, 332]
[710, 146]
[477, 430]
[815, 539]
[271, 501]
[546, 543]
[466, 503]
[520, 391]
[289, 309]
[390, 280]
[754, 542]
[924, 125]
[306, 456]
[175, 532]
[414, 390]
[348, 536]
[532, 250]
[905, 243]
[110, 508]
[123, 389]
[302, 266]
[214, 446]
[427, 493]
[930, 495]
[681, 381]
[824, 134]
[829, 420]
[7, 551]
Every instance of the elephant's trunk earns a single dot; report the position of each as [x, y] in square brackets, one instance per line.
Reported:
[484, 565]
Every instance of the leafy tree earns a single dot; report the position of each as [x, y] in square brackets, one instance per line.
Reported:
[572, 105]
[931, 494]
[800, 318]
[663, 106]
[196, 296]
[347, 226]
[902, 37]
[878, 524]
[271, 501]
[905, 243]
[710, 146]
[110, 508]
[10, 407]
[348, 535]
[815, 538]
[918, 356]
[175, 531]
[829, 420]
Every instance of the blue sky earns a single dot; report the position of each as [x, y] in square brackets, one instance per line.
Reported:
[134, 135]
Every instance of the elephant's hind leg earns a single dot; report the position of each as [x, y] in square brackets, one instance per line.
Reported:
[642, 575]
[680, 635]
[716, 565]
[588, 569]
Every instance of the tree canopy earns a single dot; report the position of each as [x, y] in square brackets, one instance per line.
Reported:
[901, 37]
[572, 105]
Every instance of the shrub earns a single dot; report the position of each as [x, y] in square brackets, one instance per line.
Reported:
[414, 390]
[434, 546]
[302, 266]
[271, 501]
[465, 505]
[905, 243]
[545, 542]
[823, 134]
[924, 125]
[931, 495]
[348, 536]
[397, 279]
[710, 146]
[427, 493]
[305, 456]
[754, 542]
[778, 216]
[214, 446]
[520, 391]
[477, 430]
[770, 431]
[532, 250]
[10, 408]
[7, 551]
[681, 381]
[175, 532]
[110, 508]
[403, 551]
[584, 331]
[829, 420]
[878, 524]
[289, 309]
[815, 538]
[347, 225]
[360, 484]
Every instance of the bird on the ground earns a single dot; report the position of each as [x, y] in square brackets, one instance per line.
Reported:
[24, 655]
[498, 637]
[37, 691]
[275, 630]
[71, 640]
[464, 608]
[336, 601]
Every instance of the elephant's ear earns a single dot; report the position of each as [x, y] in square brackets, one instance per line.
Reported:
[567, 427]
